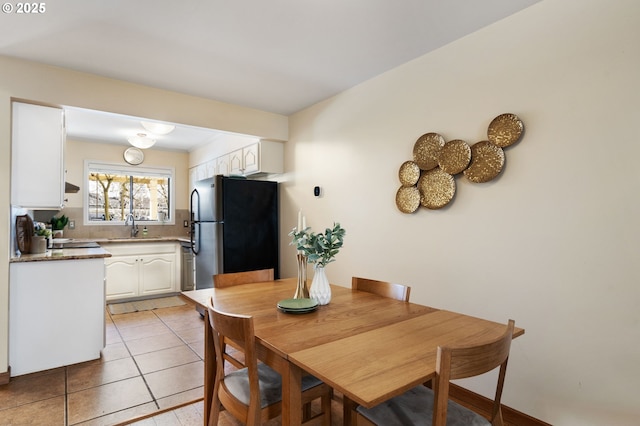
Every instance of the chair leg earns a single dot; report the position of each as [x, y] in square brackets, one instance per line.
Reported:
[214, 412]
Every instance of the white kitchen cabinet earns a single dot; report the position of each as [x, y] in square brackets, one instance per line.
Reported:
[56, 313]
[122, 276]
[222, 165]
[37, 156]
[158, 274]
[236, 163]
[142, 269]
[211, 167]
[260, 157]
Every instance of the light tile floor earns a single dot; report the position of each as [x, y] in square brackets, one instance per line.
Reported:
[153, 360]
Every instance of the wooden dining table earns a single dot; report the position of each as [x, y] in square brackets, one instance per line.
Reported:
[367, 347]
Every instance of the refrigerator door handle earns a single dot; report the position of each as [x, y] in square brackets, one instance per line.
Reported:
[195, 196]
[195, 248]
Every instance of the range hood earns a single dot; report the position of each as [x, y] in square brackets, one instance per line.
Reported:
[70, 188]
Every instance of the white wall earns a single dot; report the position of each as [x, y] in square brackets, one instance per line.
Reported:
[550, 243]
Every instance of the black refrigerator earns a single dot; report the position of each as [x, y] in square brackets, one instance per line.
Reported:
[234, 227]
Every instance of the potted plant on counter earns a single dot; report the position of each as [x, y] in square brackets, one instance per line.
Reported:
[40, 237]
[58, 224]
[320, 249]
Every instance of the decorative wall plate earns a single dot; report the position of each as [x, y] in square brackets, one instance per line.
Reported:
[505, 130]
[133, 156]
[435, 163]
[426, 150]
[455, 156]
[437, 188]
[409, 173]
[408, 199]
[487, 161]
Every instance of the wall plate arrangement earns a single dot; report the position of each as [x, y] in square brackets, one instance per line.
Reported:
[428, 180]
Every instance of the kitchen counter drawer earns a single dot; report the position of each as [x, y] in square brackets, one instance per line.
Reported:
[129, 249]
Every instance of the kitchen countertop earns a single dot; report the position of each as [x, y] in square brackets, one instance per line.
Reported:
[89, 253]
[62, 254]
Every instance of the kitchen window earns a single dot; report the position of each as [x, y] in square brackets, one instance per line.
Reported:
[114, 192]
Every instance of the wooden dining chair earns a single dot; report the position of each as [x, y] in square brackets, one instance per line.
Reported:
[234, 356]
[382, 288]
[419, 404]
[253, 394]
[236, 278]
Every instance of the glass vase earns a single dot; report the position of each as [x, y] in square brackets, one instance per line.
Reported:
[302, 292]
[320, 289]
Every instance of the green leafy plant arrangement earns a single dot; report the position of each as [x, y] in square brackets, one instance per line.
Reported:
[320, 248]
[41, 230]
[58, 223]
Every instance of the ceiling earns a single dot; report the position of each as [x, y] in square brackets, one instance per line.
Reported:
[274, 55]
[104, 127]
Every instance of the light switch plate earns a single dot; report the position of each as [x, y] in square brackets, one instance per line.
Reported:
[72, 224]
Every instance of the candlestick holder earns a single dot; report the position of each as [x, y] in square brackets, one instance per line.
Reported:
[302, 292]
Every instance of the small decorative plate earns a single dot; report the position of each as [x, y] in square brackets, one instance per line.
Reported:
[426, 150]
[408, 199]
[133, 156]
[409, 173]
[505, 130]
[454, 156]
[487, 161]
[437, 189]
[297, 306]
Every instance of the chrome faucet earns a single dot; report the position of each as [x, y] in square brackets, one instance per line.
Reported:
[134, 227]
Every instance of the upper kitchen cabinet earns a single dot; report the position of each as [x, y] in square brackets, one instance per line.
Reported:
[37, 156]
[261, 157]
[222, 165]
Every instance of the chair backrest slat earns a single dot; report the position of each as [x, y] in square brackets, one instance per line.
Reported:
[382, 288]
[237, 278]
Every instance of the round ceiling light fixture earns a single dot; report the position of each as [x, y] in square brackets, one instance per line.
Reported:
[157, 128]
[142, 141]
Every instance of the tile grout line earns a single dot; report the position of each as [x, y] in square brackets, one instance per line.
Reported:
[135, 363]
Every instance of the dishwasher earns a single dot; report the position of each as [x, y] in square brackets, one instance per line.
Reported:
[187, 281]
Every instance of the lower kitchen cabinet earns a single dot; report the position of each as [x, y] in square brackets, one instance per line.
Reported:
[56, 313]
[141, 269]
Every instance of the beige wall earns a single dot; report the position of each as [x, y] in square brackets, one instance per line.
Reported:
[31, 81]
[551, 243]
